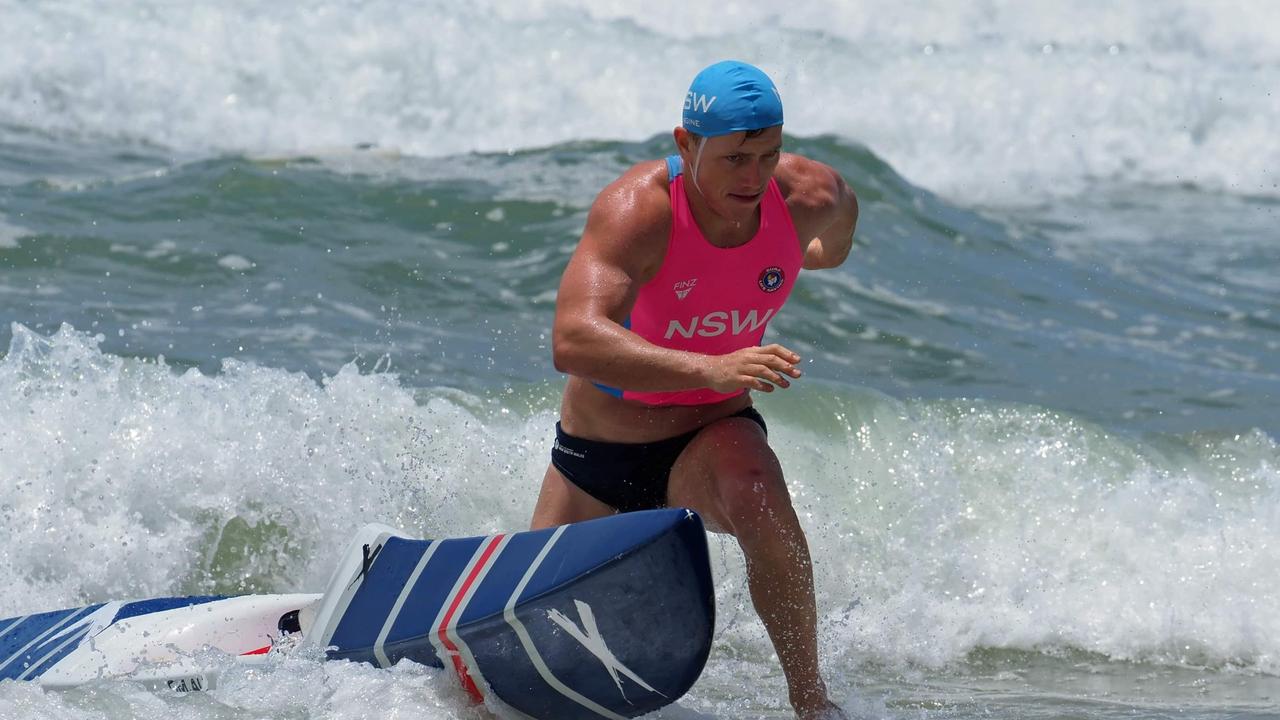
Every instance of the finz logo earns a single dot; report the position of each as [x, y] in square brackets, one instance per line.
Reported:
[771, 279]
[683, 287]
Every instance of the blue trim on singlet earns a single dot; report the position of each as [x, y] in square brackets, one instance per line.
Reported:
[674, 167]
[616, 392]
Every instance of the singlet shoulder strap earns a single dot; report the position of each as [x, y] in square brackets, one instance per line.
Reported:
[674, 167]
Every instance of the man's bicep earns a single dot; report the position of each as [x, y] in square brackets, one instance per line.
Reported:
[595, 284]
[618, 251]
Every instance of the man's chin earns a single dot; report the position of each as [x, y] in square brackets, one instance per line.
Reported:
[738, 209]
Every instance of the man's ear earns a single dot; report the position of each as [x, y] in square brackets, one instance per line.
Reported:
[684, 139]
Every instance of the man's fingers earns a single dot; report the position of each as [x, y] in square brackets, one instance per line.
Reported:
[780, 364]
[769, 377]
[775, 378]
[782, 352]
[764, 368]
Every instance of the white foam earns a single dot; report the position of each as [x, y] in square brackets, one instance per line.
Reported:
[961, 526]
[237, 263]
[936, 528]
[121, 473]
[10, 233]
[992, 101]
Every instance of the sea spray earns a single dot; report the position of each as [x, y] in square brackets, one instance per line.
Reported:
[938, 527]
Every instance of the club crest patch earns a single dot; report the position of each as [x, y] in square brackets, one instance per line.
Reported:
[771, 279]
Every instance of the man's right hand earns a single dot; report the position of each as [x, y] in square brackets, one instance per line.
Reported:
[754, 368]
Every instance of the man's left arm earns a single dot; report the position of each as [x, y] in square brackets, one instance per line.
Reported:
[835, 212]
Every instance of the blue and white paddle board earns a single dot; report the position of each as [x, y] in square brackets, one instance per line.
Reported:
[606, 618]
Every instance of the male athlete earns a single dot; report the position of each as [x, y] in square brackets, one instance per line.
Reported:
[658, 323]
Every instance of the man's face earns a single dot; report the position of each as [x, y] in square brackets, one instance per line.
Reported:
[734, 170]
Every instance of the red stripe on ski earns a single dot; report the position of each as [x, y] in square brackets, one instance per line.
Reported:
[458, 664]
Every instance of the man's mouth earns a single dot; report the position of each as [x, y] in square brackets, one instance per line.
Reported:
[746, 197]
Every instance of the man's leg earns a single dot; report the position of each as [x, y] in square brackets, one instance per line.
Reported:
[732, 478]
[560, 502]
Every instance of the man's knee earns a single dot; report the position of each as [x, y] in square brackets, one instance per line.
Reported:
[746, 477]
[751, 496]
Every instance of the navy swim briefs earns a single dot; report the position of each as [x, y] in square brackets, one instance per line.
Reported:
[626, 476]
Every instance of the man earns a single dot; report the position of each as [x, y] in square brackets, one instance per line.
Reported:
[659, 320]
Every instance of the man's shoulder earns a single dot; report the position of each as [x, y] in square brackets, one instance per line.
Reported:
[638, 198]
[807, 184]
[645, 182]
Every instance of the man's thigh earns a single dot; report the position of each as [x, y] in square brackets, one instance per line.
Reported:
[560, 502]
[728, 465]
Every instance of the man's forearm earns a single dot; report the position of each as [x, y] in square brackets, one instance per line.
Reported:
[607, 353]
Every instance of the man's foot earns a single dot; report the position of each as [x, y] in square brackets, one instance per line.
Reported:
[825, 711]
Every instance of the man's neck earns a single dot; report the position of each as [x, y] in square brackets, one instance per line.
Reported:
[718, 230]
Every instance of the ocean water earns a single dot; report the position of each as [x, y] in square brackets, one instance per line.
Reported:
[270, 273]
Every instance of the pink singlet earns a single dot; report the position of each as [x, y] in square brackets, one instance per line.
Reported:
[712, 300]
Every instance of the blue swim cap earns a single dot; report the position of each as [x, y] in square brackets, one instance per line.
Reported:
[731, 96]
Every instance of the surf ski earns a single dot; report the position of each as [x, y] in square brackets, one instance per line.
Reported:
[607, 618]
